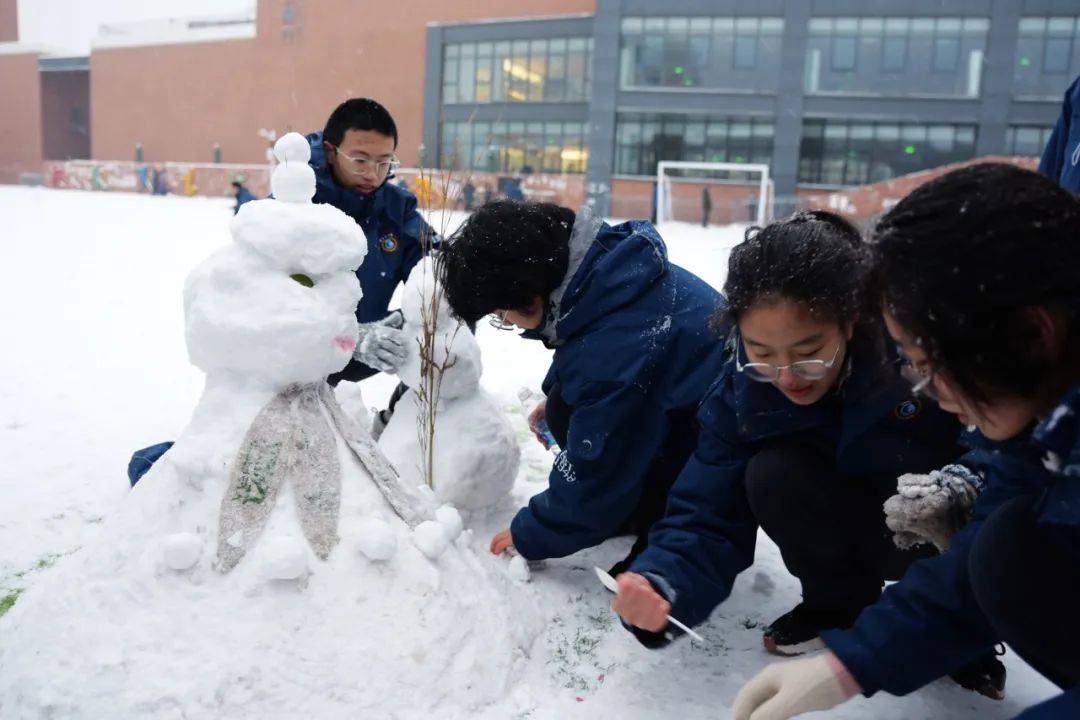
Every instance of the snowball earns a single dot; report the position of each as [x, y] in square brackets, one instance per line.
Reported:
[519, 569]
[375, 539]
[284, 559]
[292, 147]
[450, 519]
[430, 537]
[181, 550]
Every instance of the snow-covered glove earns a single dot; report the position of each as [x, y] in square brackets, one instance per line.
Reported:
[382, 345]
[784, 690]
[931, 508]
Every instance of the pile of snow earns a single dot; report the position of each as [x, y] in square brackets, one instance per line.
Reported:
[235, 582]
[476, 452]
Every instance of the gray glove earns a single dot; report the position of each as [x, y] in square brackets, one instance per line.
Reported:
[931, 508]
[382, 345]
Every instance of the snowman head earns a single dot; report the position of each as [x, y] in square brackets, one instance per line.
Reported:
[279, 304]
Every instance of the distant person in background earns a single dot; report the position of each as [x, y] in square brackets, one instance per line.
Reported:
[1061, 158]
[513, 189]
[706, 206]
[468, 193]
[158, 183]
[655, 197]
[241, 193]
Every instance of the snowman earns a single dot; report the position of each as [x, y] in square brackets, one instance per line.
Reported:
[476, 453]
[273, 563]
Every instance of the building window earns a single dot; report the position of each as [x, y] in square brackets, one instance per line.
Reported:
[1047, 56]
[844, 152]
[510, 147]
[701, 52]
[541, 70]
[1029, 140]
[644, 139]
[898, 56]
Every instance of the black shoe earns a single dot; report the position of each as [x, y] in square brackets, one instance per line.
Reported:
[797, 631]
[985, 676]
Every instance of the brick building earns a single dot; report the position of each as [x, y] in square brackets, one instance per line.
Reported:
[829, 93]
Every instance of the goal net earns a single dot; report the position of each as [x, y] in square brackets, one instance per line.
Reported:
[713, 193]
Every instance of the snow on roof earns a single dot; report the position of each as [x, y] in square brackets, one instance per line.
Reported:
[176, 30]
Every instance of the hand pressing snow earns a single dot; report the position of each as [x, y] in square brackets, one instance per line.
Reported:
[931, 508]
[537, 416]
[502, 542]
[382, 344]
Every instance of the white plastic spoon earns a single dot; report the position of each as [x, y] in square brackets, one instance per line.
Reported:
[610, 584]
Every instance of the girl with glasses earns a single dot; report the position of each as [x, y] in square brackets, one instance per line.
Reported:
[804, 435]
[978, 273]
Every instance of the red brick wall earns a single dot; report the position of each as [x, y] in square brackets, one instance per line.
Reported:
[65, 114]
[178, 100]
[20, 116]
[868, 201]
[9, 20]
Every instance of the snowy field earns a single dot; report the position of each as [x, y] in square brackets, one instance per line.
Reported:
[94, 366]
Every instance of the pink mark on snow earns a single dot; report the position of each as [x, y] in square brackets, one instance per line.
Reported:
[346, 344]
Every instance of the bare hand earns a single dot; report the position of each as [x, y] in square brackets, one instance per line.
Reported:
[502, 542]
[639, 604]
[538, 413]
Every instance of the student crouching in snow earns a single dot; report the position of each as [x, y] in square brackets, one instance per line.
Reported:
[979, 277]
[633, 358]
[804, 434]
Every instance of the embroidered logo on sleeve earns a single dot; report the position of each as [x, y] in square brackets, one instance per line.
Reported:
[564, 466]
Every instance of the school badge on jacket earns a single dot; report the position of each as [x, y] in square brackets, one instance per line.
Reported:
[389, 243]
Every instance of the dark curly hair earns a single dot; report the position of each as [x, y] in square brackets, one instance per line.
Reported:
[505, 255]
[814, 258]
[961, 262]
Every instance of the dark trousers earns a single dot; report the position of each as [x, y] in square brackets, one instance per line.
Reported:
[1026, 579]
[830, 528]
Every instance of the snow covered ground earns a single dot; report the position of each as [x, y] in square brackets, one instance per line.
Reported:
[94, 366]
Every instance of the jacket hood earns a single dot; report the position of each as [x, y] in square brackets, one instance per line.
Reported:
[609, 267]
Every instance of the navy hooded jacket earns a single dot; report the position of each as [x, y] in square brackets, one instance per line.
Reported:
[930, 622]
[243, 195]
[395, 234]
[633, 353]
[1061, 158]
[708, 535]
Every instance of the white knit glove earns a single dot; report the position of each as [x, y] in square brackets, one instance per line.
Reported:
[382, 344]
[784, 690]
[931, 508]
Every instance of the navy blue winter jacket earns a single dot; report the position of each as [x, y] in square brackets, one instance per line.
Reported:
[394, 231]
[929, 622]
[1061, 158]
[633, 354]
[708, 535]
[243, 195]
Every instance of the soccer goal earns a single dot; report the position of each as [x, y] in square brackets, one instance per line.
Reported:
[735, 192]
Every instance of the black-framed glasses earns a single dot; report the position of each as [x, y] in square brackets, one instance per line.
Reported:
[804, 369]
[367, 166]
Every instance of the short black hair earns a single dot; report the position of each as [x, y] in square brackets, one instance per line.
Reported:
[961, 261]
[505, 255]
[359, 114]
[814, 258]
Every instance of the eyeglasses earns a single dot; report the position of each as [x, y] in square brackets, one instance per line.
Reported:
[366, 166]
[922, 381]
[805, 369]
[499, 322]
